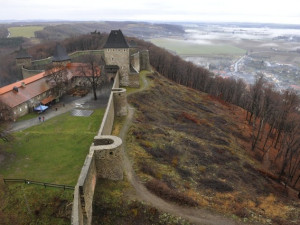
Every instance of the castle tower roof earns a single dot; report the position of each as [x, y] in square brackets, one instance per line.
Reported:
[116, 39]
[23, 54]
[60, 54]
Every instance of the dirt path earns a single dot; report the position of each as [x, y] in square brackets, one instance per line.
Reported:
[194, 215]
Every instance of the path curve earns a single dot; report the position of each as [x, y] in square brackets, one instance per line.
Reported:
[194, 215]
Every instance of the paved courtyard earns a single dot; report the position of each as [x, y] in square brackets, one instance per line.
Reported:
[79, 106]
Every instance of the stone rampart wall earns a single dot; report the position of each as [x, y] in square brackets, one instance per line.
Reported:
[145, 61]
[134, 80]
[29, 73]
[103, 161]
[108, 118]
[135, 61]
[84, 192]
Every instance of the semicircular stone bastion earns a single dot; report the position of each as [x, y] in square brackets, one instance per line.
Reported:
[108, 157]
[120, 101]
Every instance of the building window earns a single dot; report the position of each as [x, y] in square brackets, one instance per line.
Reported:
[20, 109]
[15, 113]
[25, 106]
[124, 50]
[112, 59]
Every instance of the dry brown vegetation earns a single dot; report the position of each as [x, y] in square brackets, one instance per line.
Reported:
[184, 141]
[115, 204]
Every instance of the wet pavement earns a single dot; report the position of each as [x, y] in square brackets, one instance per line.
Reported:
[67, 103]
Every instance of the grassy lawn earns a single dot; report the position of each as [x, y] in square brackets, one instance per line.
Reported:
[54, 151]
[26, 31]
[182, 47]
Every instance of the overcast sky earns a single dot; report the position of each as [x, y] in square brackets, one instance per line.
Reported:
[271, 11]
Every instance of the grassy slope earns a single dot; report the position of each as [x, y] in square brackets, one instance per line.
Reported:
[114, 202]
[54, 152]
[191, 144]
[182, 47]
[26, 31]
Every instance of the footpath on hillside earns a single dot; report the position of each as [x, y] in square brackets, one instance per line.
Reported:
[194, 215]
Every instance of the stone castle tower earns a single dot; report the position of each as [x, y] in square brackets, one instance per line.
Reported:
[60, 56]
[116, 52]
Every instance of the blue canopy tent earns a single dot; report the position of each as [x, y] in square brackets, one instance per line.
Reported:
[41, 108]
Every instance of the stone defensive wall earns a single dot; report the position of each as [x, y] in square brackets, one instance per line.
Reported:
[135, 61]
[72, 55]
[104, 159]
[145, 60]
[29, 73]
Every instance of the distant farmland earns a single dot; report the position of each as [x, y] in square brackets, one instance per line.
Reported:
[25, 31]
[182, 47]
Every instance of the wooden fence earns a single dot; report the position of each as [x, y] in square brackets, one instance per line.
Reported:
[39, 183]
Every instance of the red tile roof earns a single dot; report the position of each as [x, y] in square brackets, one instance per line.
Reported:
[32, 86]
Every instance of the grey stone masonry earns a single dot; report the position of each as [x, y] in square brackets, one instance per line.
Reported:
[119, 57]
[120, 101]
[108, 157]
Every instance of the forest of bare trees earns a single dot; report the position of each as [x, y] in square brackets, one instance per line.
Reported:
[273, 115]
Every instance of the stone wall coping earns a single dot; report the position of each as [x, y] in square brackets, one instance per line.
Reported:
[85, 169]
[118, 90]
[116, 142]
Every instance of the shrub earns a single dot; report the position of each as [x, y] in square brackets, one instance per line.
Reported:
[147, 169]
[216, 185]
[162, 190]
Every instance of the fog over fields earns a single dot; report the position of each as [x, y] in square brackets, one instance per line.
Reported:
[240, 51]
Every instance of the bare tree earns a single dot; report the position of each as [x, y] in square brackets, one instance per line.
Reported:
[92, 70]
[58, 78]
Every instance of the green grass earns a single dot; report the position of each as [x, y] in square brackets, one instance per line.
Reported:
[143, 73]
[81, 53]
[182, 47]
[53, 151]
[25, 31]
[42, 61]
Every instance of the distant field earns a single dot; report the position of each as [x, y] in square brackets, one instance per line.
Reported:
[182, 47]
[26, 31]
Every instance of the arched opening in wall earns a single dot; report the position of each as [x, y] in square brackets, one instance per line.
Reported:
[112, 79]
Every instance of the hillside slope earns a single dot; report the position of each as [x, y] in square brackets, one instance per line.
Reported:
[188, 148]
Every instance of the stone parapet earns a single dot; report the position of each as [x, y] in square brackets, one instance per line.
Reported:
[120, 101]
[108, 157]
